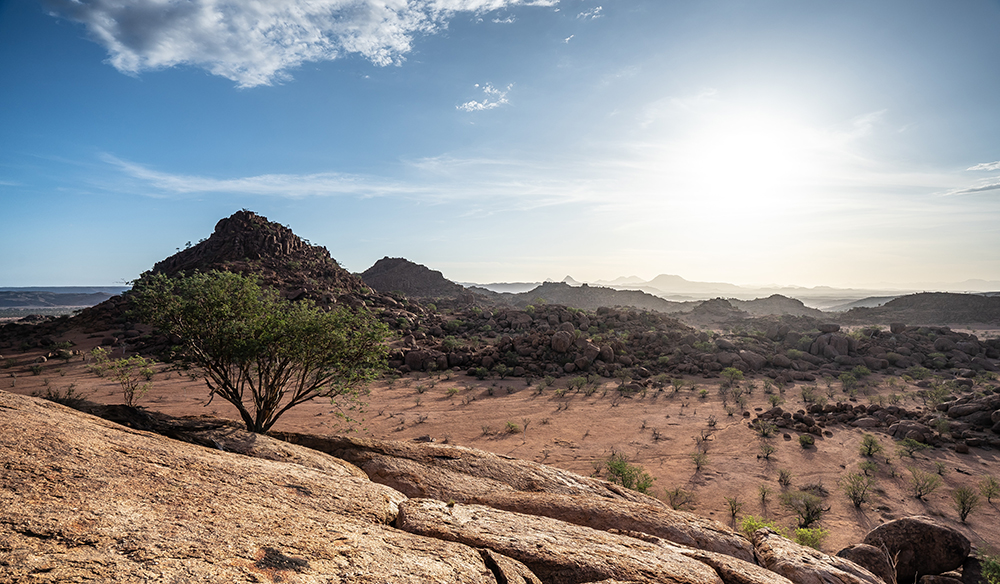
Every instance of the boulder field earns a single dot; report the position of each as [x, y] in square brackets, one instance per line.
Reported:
[84, 498]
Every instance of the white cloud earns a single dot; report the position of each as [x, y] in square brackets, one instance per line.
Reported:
[256, 42]
[494, 99]
[292, 186]
[986, 166]
[972, 190]
[569, 38]
[508, 20]
[591, 14]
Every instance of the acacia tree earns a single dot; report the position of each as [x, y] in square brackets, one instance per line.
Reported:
[260, 352]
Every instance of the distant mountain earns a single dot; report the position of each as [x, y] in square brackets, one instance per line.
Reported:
[930, 308]
[620, 281]
[570, 281]
[31, 299]
[402, 275]
[587, 298]
[504, 287]
[111, 290]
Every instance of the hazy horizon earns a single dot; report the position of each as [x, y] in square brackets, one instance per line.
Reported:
[847, 145]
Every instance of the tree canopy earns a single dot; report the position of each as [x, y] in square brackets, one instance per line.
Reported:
[260, 352]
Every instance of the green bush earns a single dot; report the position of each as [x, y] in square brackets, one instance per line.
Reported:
[751, 523]
[870, 446]
[923, 483]
[806, 440]
[857, 486]
[810, 536]
[630, 476]
[807, 506]
[966, 500]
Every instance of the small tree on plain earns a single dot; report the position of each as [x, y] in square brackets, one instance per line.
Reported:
[260, 352]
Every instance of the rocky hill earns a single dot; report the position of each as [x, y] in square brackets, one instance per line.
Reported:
[930, 308]
[248, 243]
[85, 499]
[777, 305]
[410, 279]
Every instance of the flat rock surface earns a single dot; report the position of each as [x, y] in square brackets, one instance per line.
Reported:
[558, 552]
[442, 471]
[804, 565]
[83, 499]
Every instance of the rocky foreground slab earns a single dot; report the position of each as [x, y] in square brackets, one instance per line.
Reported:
[85, 499]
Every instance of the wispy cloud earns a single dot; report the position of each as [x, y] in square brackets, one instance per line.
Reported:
[494, 99]
[591, 14]
[569, 38]
[979, 189]
[508, 20]
[256, 43]
[292, 186]
[986, 166]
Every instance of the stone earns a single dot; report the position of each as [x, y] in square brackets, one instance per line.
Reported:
[873, 559]
[562, 341]
[925, 547]
[804, 565]
[557, 552]
[828, 327]
[897, 328]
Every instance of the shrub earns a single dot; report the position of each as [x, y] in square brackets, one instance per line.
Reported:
[909, 446]
[806, 440]
[848, 381]
[735, 505]
[966, 501]
[763, 428]
[810, 536]
[861, 371]
[751, 523]
[700, 459]
[732, 376]
[784, 478]
[870, 446]
[766, 450]
[856, 486]
[679, 499]
[807, 506]
[923, 483]
[130, 373]
[630, 476]
[990, 563]
[989, 488]
[512, 428]
[36, 369]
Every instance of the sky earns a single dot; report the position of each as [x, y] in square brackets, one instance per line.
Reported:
[852, 143]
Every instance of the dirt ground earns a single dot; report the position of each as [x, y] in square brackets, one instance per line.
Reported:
[571, 430]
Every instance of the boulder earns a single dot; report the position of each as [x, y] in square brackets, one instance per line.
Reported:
[873, 559]
[558, 552]
[562, 341]
[897, 328]
[925, 547]
[828, 327]
[804, 565]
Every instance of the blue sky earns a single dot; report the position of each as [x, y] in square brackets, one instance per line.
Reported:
[847, 143]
